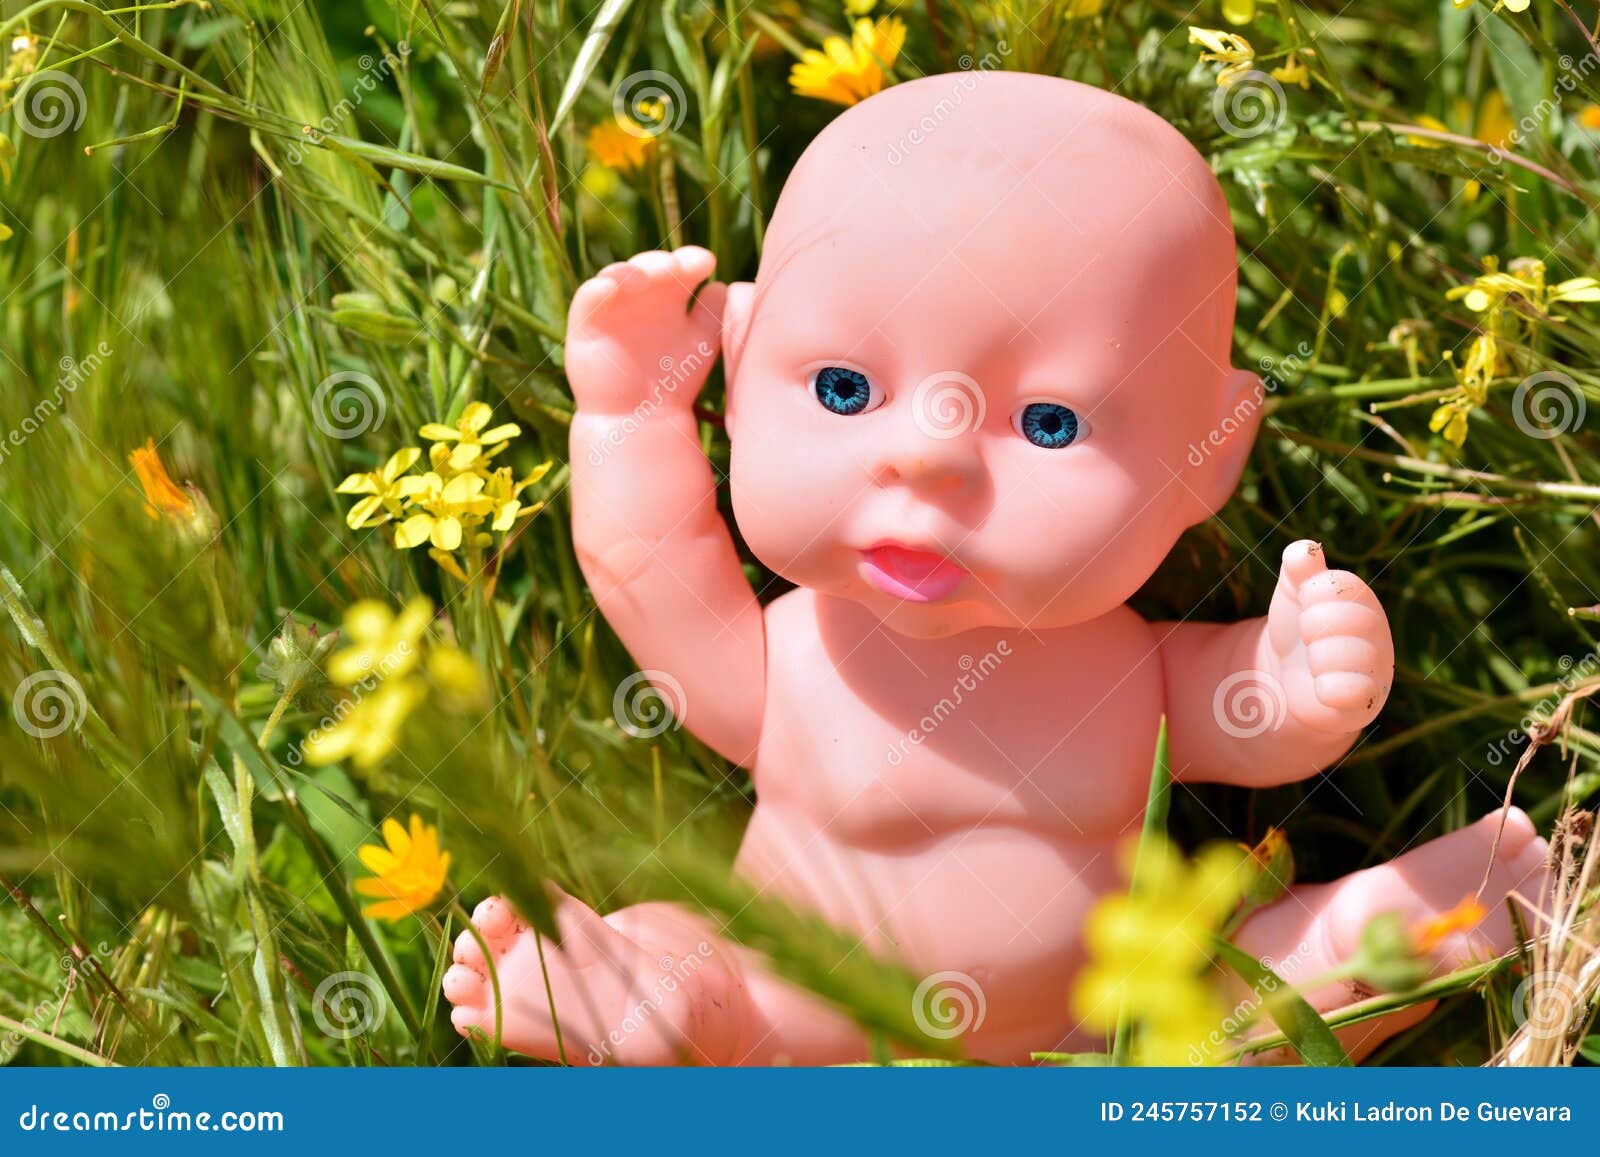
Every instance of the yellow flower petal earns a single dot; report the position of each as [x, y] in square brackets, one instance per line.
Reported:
[414, 531]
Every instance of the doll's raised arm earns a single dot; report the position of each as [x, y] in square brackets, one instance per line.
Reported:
[1277, 699]
[645, 524]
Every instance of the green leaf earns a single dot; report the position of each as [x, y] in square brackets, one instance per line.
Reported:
[1308, 1034]
[1517, 71]
[1589, 1050]
[605, 25]
[1157, 803]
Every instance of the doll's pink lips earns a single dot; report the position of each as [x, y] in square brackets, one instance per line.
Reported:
[919, 576]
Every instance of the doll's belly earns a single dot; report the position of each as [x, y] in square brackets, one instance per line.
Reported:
[1000, 906]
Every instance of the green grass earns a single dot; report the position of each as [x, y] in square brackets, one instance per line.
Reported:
[178, 273]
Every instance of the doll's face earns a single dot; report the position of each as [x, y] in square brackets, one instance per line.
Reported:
[980, 406]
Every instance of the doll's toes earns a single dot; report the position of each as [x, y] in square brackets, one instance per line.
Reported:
[464, 985]
[497, 921]
[469, 953]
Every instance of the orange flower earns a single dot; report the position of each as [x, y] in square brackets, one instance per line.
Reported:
[1464, 917]
[407, 875]
[163, 495]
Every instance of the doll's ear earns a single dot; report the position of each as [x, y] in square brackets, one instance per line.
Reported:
[1217, 459]
[736, 313]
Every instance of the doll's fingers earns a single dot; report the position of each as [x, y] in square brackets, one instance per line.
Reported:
[655, 264]
[1334, 617]
[1348, 653]
[1336, 586]
[695, 264]
[1302, 560]
[622, 274]
[1348, 691]
[591, 297]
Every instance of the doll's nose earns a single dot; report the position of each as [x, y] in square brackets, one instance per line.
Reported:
[922, 454]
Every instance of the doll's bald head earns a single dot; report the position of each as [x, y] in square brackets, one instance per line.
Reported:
[956, 253]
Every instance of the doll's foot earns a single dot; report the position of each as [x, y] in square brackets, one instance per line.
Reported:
[1430, 886]
[617, 999]
[1318, 927]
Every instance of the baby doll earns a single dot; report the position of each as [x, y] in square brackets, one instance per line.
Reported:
[991, 323]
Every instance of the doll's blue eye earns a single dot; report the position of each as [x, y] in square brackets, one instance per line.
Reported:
[1048, 425]
[844, 391]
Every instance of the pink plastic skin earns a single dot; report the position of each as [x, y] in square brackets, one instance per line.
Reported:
[970, 244]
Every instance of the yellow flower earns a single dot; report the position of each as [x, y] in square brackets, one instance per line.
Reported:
[1229, 49]
[9, 150]
[1149, 949]
[379, 642]
[5, 232]
[1084, 9]
[382, 488]
[1238, 11]
[504, 492]
[620, 148]
[407, 875]
[447, 508]
[865, 7]
[370, 729]
[1293, 71]
[24, 58]
[164, 497]
[845, 73]
[1589, 116]
[469, 435]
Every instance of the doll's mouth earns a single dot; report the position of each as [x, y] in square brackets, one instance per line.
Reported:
[919, 576]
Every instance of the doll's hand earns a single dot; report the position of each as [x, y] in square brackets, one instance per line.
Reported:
[634, 339]
[1331, 638]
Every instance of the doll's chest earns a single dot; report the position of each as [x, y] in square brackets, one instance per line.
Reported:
[887, 741]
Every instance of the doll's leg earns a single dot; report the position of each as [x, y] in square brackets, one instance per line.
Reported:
[1318, 926]
[648, 985]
